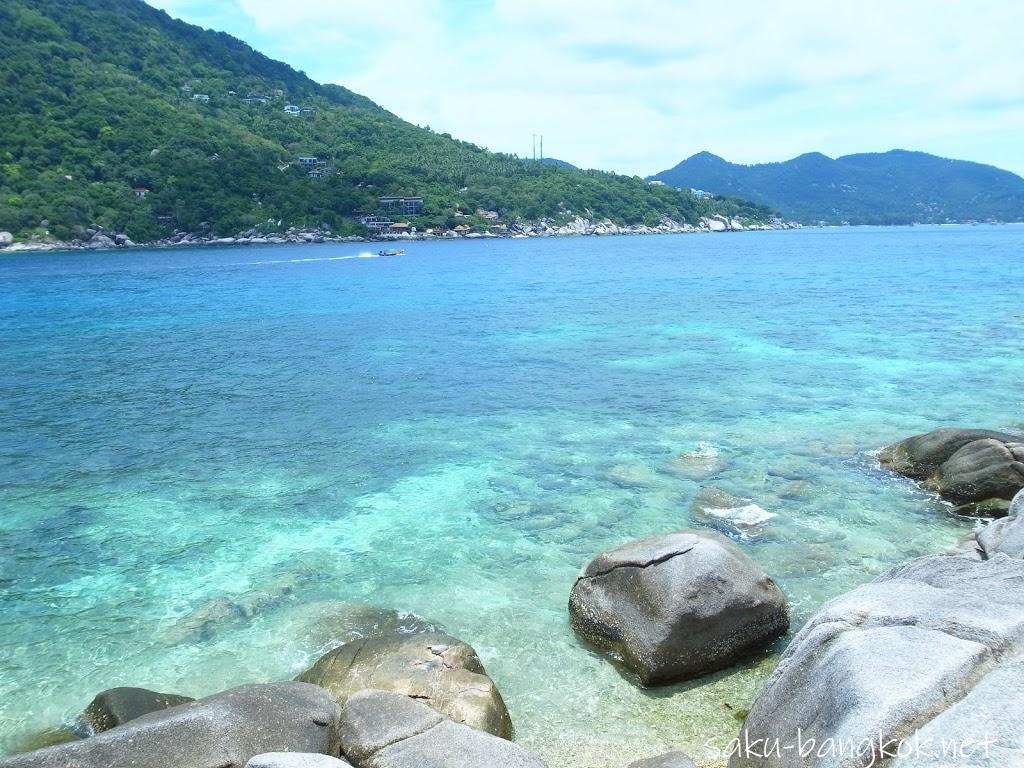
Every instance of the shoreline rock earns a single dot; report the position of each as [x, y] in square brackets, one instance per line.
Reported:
[224, 730]
[384, 729]
[118, 706]
[434, 667]
[933, 647]
[676, 606]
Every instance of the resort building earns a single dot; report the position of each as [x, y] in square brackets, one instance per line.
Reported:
[309, 162]
[203, 97]
[291, 109]
[375, 222]
[404, 206]
[140, 192]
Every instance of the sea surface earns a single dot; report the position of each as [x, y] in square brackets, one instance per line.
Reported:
[211, 460]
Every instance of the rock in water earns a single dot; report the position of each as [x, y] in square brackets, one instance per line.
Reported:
[119, 705]
[920, 456]
[677, 605]
[668, 760]
[383, 729]
[975, 468]
[436, 668]
[934, 647]
[981, 470]
[728, 514]
[224, 730]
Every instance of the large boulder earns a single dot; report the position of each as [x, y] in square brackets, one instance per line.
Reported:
[934, 647]
[224, 730]
[6, 239]
[1005, 536]
[117, 706]
[981, 470]
[677, 605]
[383, 729]
[434, 667]
[920, 456]
[296, 760]
[667, 760]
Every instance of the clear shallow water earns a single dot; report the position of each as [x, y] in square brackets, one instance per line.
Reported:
[455, 433]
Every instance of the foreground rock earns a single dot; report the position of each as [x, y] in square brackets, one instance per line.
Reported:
[678, 605]
[118, 706]
[933, 647]
[978, 468]
[668, 760]
[1005, 536]
[224, 730]
[438, 669]
[296, 760]
[383, 729]
[6, 239]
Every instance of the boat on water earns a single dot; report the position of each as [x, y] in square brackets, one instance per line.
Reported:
[391, 252]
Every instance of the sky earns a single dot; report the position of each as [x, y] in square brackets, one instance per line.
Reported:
[636, 86]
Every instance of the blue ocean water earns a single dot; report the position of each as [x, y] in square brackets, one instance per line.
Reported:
[207, 456]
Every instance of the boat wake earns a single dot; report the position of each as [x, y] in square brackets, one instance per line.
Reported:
[362, 255]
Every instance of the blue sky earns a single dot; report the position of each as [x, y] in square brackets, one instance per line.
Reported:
[637, 86]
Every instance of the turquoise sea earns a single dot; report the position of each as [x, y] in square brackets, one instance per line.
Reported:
[208, 456]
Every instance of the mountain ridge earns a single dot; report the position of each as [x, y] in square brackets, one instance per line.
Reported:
[895, 187]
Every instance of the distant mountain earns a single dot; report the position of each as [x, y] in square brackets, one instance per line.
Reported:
[897, 187]
[114, 113]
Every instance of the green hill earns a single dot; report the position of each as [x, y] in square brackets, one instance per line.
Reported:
[896, 187]
[101, 97]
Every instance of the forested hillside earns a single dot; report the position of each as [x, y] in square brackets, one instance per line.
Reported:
[116, 114]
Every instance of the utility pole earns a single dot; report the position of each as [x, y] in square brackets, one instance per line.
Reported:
[535, 146]
[542, 147]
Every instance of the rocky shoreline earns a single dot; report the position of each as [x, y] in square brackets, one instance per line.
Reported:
[929, 654]
[97, 238]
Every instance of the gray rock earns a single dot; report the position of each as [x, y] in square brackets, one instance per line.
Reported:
[676, 606]
[436, 668]
[928, 647]
[224, 730]
[6, 239]
[919, 456]
[981, 470]
[206, 620]
[383, 729]
[668, 760]
[121, 239]
[100, 241]
[117, 706]
[1005, 536]
[296, 760]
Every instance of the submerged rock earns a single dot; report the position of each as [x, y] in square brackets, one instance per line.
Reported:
[117, 706]
[383, 729]
[668, 760]
[934, 647]
[703, 461]
[206, 620]
[977, 469]
[224, 730]
[731, 515]
[678, 605]
[438, 669]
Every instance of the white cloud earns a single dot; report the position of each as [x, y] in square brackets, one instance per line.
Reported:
[636, 86]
